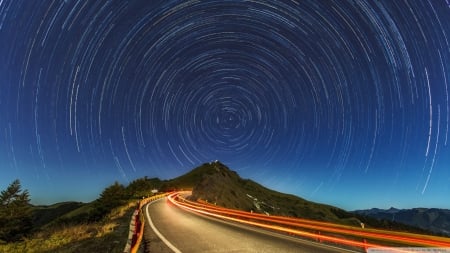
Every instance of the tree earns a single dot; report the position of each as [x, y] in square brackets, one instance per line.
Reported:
[142, 187]
[15, 213]
[111, 197]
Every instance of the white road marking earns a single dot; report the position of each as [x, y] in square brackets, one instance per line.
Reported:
[170, 245]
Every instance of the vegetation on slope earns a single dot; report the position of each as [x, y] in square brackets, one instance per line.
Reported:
[102, 225]
[99, 226]
[45, 215]
[217, 184]
[221, 186]
[108, 235]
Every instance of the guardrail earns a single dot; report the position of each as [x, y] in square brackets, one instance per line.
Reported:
[136, 230]
[320, 231]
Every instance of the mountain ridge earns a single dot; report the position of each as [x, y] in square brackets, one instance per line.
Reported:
[436, 220]
[215, 183]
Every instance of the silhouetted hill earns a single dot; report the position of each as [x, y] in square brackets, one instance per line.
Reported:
[432, 219]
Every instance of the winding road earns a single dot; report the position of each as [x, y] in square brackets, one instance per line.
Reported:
[169, 228]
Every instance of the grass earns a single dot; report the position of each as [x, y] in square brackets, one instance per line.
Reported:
[110, 235]
[46, 215]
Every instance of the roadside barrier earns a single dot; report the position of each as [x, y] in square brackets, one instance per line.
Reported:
[363, 238]
[136, 230]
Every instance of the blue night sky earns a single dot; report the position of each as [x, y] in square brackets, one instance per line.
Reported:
[342, 102]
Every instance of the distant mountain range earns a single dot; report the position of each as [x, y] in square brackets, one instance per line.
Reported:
[432, 219]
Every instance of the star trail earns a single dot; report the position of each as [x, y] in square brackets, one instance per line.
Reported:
[342, 102]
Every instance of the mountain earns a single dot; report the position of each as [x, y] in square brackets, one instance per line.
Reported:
[432, 219]
[215, 183]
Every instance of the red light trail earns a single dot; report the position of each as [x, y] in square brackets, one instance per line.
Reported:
[295, 226]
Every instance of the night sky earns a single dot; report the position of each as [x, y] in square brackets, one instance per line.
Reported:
[343, 102]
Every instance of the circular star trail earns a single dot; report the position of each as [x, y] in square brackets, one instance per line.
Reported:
[317, 98]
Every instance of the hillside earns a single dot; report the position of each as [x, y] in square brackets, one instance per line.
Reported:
[188, 180]
[110, 235]
[215, 183]
[221, 186]
[44, 215]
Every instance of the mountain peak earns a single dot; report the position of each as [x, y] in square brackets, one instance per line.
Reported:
[215, 183]
[393, 210]
[223, 187]
[196, 175]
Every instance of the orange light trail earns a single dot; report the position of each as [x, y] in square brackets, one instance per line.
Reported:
[288, 225]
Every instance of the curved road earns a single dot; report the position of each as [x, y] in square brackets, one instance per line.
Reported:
[172, 229]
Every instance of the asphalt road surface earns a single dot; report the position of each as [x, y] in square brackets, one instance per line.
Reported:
[171, 229]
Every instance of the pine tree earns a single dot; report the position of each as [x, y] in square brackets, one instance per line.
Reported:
[15, 213]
